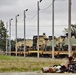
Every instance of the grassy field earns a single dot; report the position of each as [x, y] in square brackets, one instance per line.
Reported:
[21, 64]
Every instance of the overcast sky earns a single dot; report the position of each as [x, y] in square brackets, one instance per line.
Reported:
[10, 8]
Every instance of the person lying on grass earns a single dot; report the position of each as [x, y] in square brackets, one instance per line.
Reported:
[61, 68]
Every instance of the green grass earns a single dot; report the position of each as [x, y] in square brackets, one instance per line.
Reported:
[4, 57]
[21, 64]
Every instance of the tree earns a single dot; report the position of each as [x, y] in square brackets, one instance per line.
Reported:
[2, 36]
[73, 30]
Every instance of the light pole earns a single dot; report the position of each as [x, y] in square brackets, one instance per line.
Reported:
[16, 32]
[38, 26]
[53, 29]
[6, 37]
[25, 31]
[10, 36]
[69, 28]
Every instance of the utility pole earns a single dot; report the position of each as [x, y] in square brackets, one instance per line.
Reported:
[10, 36]
[16, 32]
[25, 31]
[6, 37]
[69, 28]
[38, 28]
[53, 29]
[38, 9]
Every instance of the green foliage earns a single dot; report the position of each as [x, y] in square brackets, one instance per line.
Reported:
[73, 29]
[2, 35]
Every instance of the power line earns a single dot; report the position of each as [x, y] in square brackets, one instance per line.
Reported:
[50, 5]
[32, 17]
[43, 26]
[47, 7]
[60, 0]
